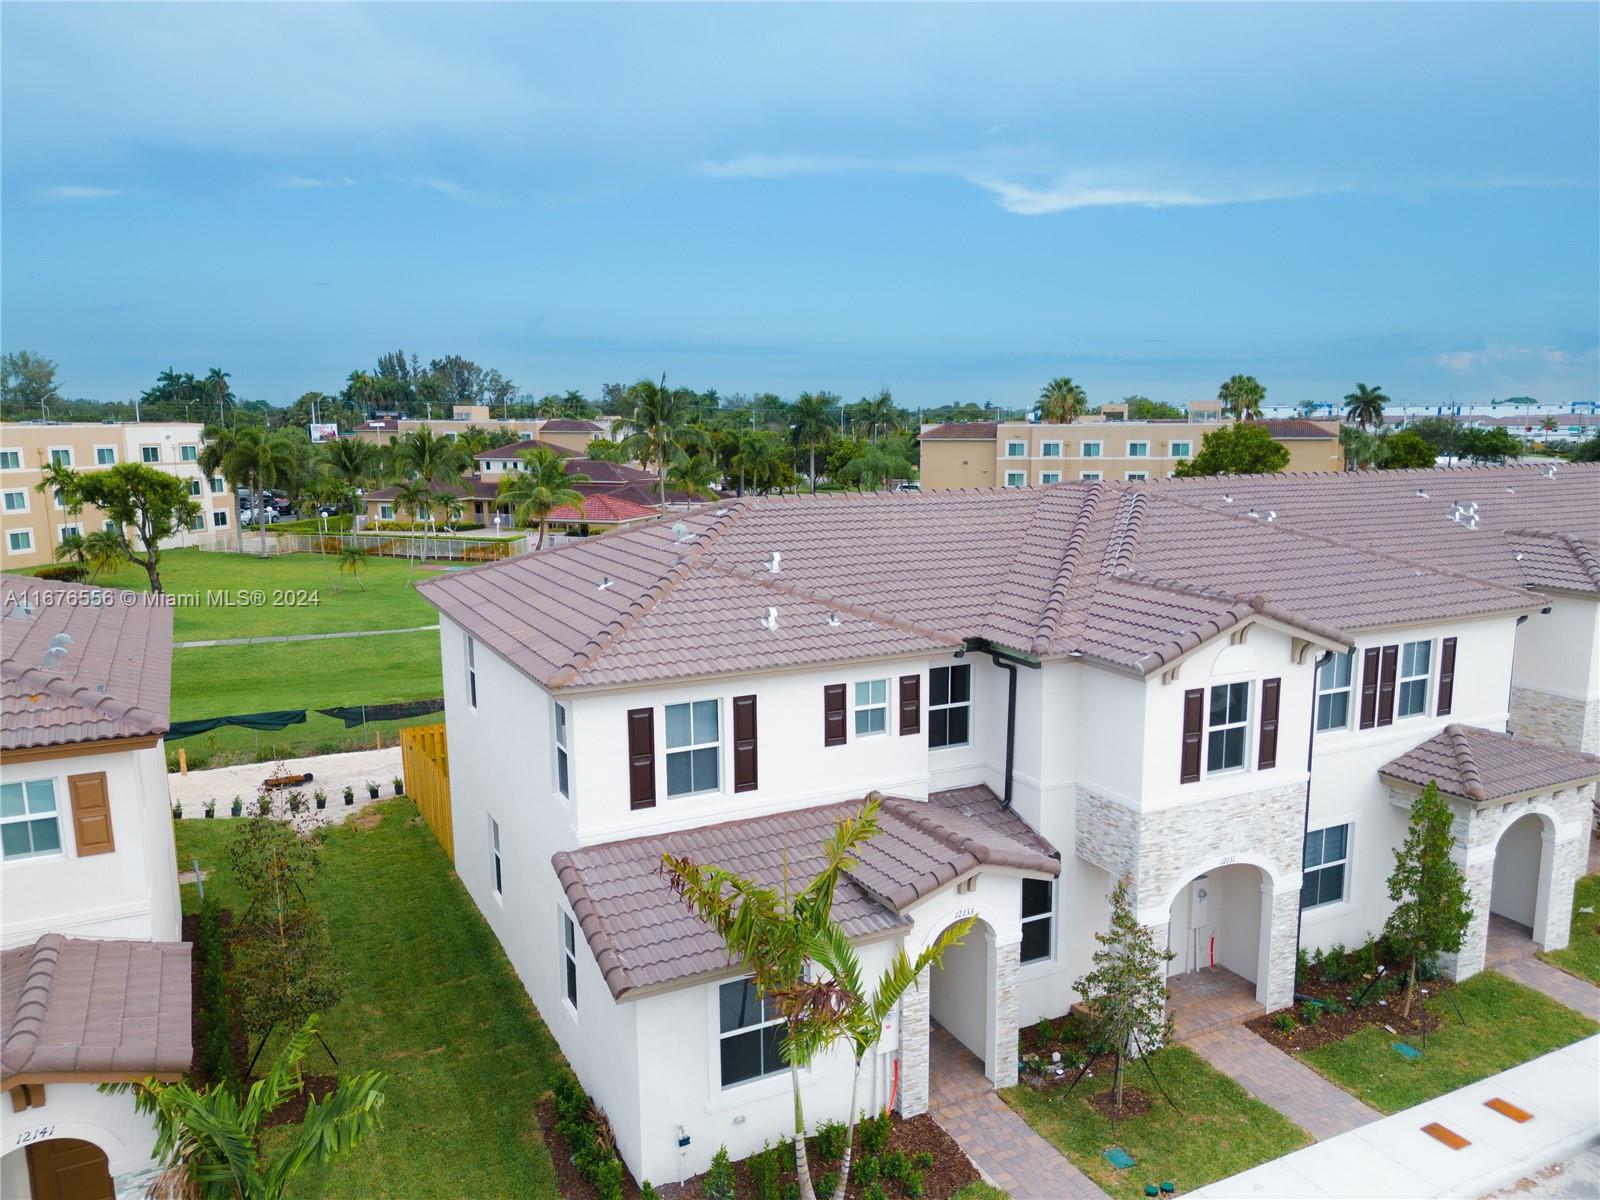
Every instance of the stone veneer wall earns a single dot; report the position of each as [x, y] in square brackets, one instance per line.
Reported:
[1559, 720]
[1007, 963]
[914, 1031]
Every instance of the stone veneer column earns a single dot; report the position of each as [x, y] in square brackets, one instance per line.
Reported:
[1475, 941]
[134, 1185]
[1007, 962]
[1281, 909]
[914, 1032]
[1569, 858]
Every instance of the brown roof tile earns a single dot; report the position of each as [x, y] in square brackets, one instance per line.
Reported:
[1483, 766]
[962, 431]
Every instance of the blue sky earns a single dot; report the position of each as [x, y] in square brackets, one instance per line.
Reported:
[955, 202]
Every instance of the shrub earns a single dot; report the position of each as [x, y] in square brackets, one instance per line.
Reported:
[720, 1183]
[827, 1184]
[830, 1141]
[587, 1135]
[1364, 961]
[647, 1191]
[69, 572]
[866, 1171]
[874, 1191]
[1310, 1014]
[1336, 966]
[1047, 1031]
[1302, 964]
[1284, 1020]
[766, 1170]
[1333, 1008]
[874, 1134]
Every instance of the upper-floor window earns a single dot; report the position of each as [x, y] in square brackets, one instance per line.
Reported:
[950, 705]
[17, 501]
[694, 747]
[71, 531]
[194, 487]
[1334, 685]
[1416, 661]
[10, 460]
[105, 456]
[1138, 449]
[1038, 910]
[750, 1032]
[569, 957]
[1327, 853]
[1050, 477]
[150, 454]
[1050, 449]
[1016, 449]
[472, 672]
[563, 766]
[61, 457]
[188, 453]
[1227, 726]
[872, 707]
[217, 485]
[29, 823]
[1016, 479]
[197, 522]
[220, 518]
[1091, 449]
[1182, 449]
[494, 854]
[20, 540]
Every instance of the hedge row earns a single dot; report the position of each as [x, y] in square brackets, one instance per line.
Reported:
[216, 1047]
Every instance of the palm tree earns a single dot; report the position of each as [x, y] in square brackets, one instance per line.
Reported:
[261, 460]
[542, 486]
[73, 546]
[425, 455]
[657, 425]
[1364, 406]
[352, 558]
[1242, 397]
[697, 475]
[215, 386]
[753, 451]
[57, 480]
[474, 439]
[104, 550]
[415, 497]
[212, 1143]
[1061, 401]
[812, 420]
[876, 465]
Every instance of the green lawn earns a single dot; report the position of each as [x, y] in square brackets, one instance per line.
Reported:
[1582, 955]
[1220, 1131]
[431, 1000]
[1506, 1024]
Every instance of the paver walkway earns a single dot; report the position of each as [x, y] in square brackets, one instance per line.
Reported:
[1204, 1000]
[1283, 1082]
[1577, 994]
[1002, 1144]
[299, 637]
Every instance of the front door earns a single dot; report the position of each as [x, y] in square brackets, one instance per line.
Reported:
[65, 1169]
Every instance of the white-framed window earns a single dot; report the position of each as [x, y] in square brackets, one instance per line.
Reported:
[472, 672]
[67, 531]
[1038, 919]
[1091, 476]
[563, 763]
[17, 500]
[1416, 663]
[1335, 682]
[1016, 449]
[1091, 450]
[112, 527]
[217, 485]
[498, 881]
[1323, 863]
[1138, 449]
[197, 523]
[150, 454]
[1182, 449]
[569, 957]
[950, 705]
[188, 453]
[1138, 476]
[219, 519]
[385, 512]
[20, 540]
[1227, 726]
[872, 707]
[105, 456]
[30, 826]
[60, 456]
[1050, 450]
[10, 460]
[59, 500]
[1016, 479]
[194, 487]
[749, 1031]
[694, 747]
[1050, 477]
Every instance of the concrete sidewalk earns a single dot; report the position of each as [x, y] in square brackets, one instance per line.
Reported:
[300, 637]
[1395, 1158]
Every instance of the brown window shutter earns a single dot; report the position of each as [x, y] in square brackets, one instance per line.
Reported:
[744, 743]
[1268, 754]
[833, 714]
[1194, 711]
[1447, 675]
[910, 704]
[1386, 673]
[641, 758]
[1369, 687]
[91, 814]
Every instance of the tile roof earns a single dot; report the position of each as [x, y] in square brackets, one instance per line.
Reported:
[962, 431]
[569, 425]
[1132, 576]
[1484, 766]
[512, 449]
[643, 935]
[102, 1008]
[114, 681]
[1300, 428]
[603, 508]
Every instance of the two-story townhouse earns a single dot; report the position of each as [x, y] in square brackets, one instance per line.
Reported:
[94, 979]
[1053, 687]
[32, 524]
[574, 434]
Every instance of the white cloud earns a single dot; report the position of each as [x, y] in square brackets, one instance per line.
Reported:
[75, 191]
[307, 181]
[1494, 356]
[451, 190]
[1083, 189]
[789, 166]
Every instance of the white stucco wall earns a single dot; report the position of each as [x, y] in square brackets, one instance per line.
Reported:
[1559, 652]
[79, 1111]
[131, 892]
[1516, 870]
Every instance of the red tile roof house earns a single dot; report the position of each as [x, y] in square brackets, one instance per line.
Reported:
[1055, 687]
[94, 981]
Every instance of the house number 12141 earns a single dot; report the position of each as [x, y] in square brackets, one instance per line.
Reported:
[43, 1133]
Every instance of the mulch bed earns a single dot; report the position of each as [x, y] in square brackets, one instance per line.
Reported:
[1135, 1103]
[569, 1184]
[1335, 1027]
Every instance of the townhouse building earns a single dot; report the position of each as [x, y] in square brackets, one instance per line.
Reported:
[94, 975]
[1033, 454]
[1226, 692]
[33, 523]
[573, 434]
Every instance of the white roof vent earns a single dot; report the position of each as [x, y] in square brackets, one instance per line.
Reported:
[1550, 471]
[605, 582]
[834, 621]
[1272, 514]
[1227, 497]
[1423, 492]
[1510, 491]
[680, 532]
[770, 621]
[775, 562]
[1253, 513]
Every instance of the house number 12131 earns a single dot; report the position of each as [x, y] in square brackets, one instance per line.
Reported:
[43, 1133]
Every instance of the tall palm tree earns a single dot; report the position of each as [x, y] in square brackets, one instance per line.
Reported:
[57, 480]
[216, 389]
[697, 475]
[753, 453]
[657, 425]
[1242, 397]
[426, 455]
[415, 497]
[542, 486]
[1364, 406]
[880, 414]
[474, 439]
[261, 460]
[812, 420]
[1061, 401]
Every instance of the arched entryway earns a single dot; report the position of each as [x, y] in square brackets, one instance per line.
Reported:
[1220, 937]
[59, 1169]
[961, 997]
[1520, 891]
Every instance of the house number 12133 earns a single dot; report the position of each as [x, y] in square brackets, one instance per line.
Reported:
[43, 1133]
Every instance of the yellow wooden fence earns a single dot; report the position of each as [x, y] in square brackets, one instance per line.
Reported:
[426, 762]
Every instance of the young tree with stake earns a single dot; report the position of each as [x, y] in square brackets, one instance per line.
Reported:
[1432, 907]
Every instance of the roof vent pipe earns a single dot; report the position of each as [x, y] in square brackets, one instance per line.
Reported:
[775, 562]
[770, 621]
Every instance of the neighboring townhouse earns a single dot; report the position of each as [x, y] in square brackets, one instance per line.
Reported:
[94, 976]
[1029, 454]
[1054, 688]
[33, 524]
[569, 433]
